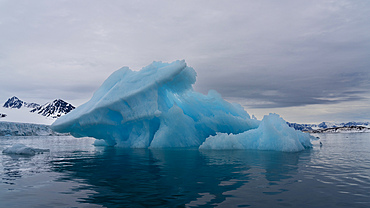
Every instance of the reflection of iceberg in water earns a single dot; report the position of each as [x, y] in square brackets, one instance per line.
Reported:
[158, 108]
[174, 178]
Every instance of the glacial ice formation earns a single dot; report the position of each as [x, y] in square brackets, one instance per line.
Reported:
[21, 149]
[26, 129]
[157, 107]
[272, 134]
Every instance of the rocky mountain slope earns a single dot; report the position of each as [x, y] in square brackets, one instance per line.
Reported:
[55, 109]
[52, 109]
[15, 102]
[17, 110]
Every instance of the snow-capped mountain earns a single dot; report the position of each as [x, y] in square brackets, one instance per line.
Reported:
[330, 127]
[55, 109]
[343, 129]
[15, 102]
[16, 110]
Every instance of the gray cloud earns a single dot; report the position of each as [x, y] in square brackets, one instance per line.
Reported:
[263, 54]
[287, 90]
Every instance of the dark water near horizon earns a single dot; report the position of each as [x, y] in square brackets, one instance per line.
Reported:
[77, 174]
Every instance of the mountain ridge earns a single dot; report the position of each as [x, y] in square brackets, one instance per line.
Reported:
[325, 127]
[55, 109]
[15, 102]
[17, 110]
[344, 129]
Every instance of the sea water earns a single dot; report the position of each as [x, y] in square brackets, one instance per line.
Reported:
[77, 174]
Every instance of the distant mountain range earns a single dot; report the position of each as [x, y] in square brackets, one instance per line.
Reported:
[326, 127]
[14, 102]
[344, 129]
[53, 109]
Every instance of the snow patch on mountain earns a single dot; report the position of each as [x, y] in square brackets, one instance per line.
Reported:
[55, 109]
[15, 102]
[17, 110]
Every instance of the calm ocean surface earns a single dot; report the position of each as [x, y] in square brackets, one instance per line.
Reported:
[77, 174]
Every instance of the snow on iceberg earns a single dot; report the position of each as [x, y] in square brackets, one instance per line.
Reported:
[272, 134]
[21, 149]
[156, 107]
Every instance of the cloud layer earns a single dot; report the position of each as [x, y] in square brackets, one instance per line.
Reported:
[262, 54]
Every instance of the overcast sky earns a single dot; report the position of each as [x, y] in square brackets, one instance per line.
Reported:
[308, 61]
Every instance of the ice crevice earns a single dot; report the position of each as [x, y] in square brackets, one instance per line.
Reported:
[157, 107]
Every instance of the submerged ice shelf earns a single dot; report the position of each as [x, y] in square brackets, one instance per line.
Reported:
[157, 107]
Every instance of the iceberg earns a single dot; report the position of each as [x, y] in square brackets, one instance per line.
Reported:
[21, 149]
[272, 134]
[157, 107]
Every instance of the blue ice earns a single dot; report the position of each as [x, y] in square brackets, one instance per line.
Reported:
[157, 107]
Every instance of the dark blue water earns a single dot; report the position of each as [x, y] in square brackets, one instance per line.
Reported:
[76, 174]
